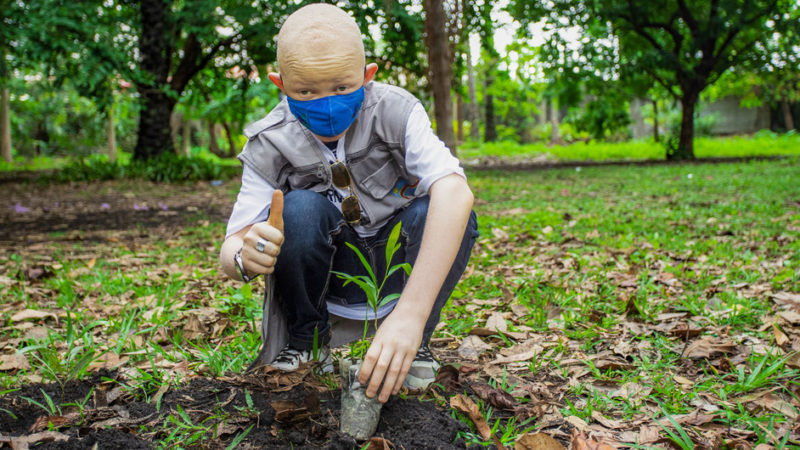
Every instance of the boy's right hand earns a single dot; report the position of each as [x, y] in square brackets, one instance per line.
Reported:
[270, 236]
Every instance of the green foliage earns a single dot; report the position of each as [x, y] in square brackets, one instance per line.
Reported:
[684, 48]
[55, 120]
[763, 143]
[372, 287]
[604, 118]
[166, 167]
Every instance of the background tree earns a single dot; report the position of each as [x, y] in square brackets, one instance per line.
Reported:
[11, 18]
[684, 46]
[178, 39]
[440, 61]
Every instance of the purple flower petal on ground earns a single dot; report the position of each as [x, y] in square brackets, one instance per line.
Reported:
[105, 205]
[139, 207]
[163, 206]
[21, 209]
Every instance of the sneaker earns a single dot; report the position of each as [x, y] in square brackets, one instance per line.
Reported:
[423, 370]
[289, 359]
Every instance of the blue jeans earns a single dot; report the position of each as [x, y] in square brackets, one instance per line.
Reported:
[315, 234]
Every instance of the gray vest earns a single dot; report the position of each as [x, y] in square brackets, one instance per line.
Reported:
[287, 156]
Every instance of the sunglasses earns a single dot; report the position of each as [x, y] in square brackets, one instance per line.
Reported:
[351, 209]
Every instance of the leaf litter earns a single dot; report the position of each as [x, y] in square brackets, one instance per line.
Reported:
[559, 343]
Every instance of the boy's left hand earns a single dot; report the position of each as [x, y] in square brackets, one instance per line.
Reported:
[389, 358]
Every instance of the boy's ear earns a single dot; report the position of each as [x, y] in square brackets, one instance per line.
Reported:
[369, 72]
[275, 77]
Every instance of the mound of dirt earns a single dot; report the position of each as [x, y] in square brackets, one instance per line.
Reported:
[206, 413]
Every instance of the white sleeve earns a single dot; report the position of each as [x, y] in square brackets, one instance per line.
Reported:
[427, 158]
[252, 204]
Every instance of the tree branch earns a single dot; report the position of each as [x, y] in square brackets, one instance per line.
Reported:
[192, 62]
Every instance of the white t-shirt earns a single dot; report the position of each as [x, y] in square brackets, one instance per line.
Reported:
[427, 158]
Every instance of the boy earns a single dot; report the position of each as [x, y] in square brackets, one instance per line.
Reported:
[354, 157]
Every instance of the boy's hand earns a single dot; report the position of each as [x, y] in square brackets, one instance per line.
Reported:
[262, 243]
[392, 351]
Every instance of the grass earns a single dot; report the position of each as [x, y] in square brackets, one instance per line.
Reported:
[710, 240]
[576, 249]
[764, 143]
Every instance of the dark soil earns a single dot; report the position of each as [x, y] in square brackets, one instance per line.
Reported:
[31, 212]
[211, 413]
[116, 412]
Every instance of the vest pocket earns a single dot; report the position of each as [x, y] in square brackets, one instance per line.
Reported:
[382, 180]
[309, 177]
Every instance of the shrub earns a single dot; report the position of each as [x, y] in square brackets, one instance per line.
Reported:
[166, 167]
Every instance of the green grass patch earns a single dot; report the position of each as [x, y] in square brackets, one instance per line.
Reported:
[606, 269]
[760, 144]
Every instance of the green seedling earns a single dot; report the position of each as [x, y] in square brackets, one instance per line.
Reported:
[49, 406]
[372, 287]
[764, 374]
[679, 437]
[239, 438]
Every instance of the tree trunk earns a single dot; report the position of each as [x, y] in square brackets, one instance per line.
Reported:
[186, 136]
[685, 148]
[231, 144]
[154, 130]
[656, 137]
[472, 112]
[111, 134]
[490, 130]
[5, 125]
[788, 119]
[460, 118]
[555, 136]
[213, 145]
[440, 70]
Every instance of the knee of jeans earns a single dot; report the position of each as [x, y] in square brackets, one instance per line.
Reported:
[415, 214]
[472, 226]
[303, 206]
[304, 211]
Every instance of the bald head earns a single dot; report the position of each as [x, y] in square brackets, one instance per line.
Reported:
[319, 37]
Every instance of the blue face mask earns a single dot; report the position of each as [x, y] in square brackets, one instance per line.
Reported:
[328, 116]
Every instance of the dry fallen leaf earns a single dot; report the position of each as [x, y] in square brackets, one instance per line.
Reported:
[194, 328]
[54, 422]
[287, 411]
[517, 357]
[707, 346]
[633, 392]
[606, 422]
[578, 423]
[496, 323]
[794, 361]
[379, 443]
[14, 362]
[472, 347]
[790, 316]
[537, 441]
[777, 404]
[22, 442]
[787, 298]
[27, 314]
[649, 434]
[780, 336]
[579, 442]
[449, 377]
[467, 406]
[498, 398]
[108, 361]
[35, 273]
